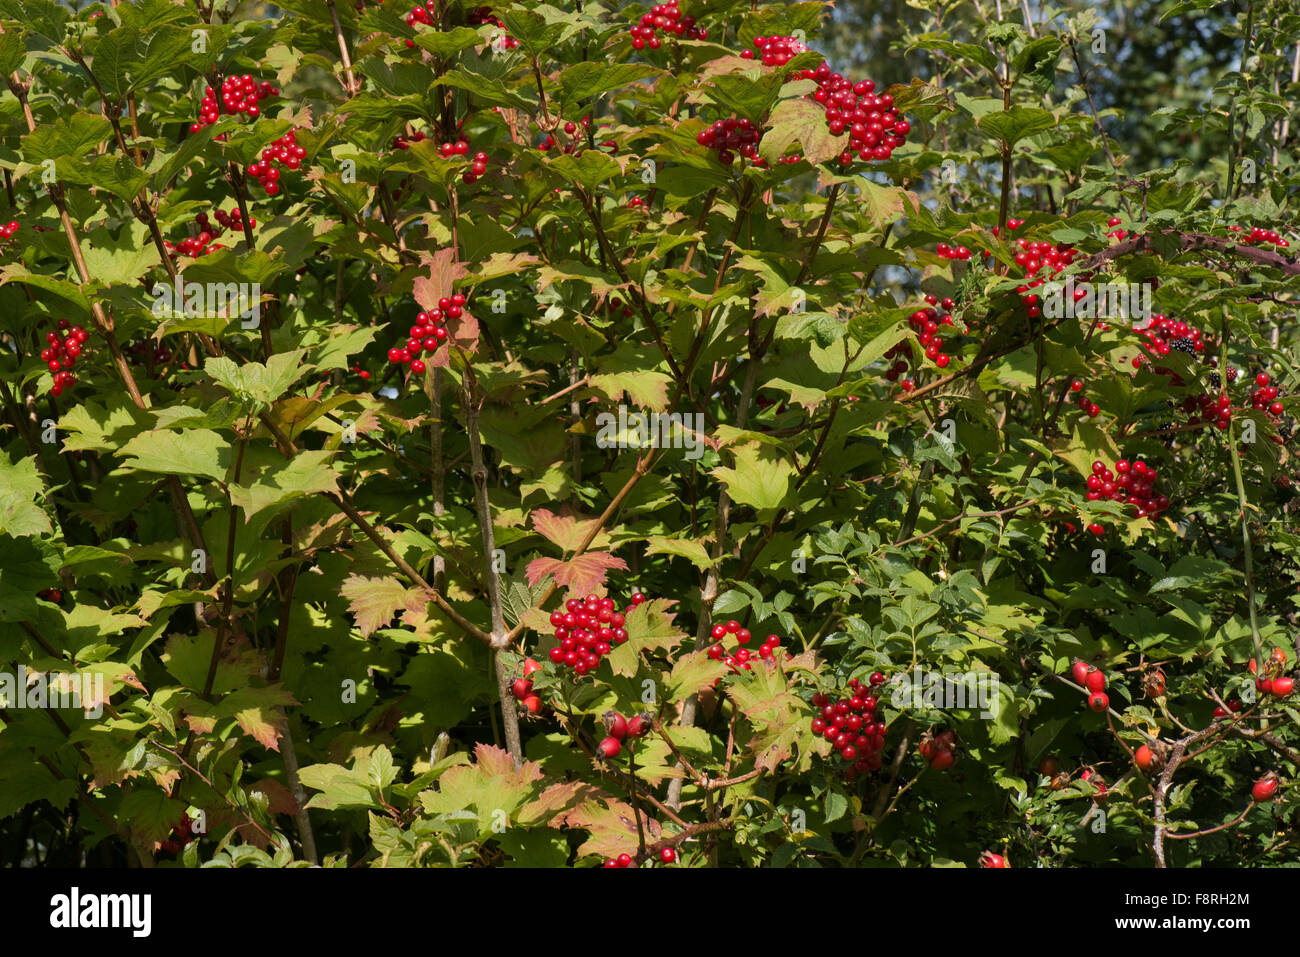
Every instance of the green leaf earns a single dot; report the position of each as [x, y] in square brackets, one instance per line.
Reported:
[761, 479]
[19, 485]
[692, 673]
[1013, 125]
[649, 627]
[584, 80]
[12, 52]
[685, 548]
[447, 44]
[588, 170]
[802, 121]
[307, 473]
[192, 452]
[965, 52]
[748, 97]
[255, 382]
[73, 137]
[41, 18]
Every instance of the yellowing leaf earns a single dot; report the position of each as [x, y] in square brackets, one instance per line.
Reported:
[374, 601]
[683, 547]
[612, 827]
[649, 627]
[646, 390]
[761, 478]
[566, 531]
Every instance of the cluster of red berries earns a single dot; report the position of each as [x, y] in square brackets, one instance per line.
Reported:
[775, 51]
[618, 729]
[1131, 483]
[665, 18]
[481, 15]
[614, 307]
[667, 855]
[461, 148]
[1163, 335]
[852, 725]
[1094, 682]
[522, 688]
[423, 15]
[925, 323]
[61, 352]
[284, 151]
[361, 373]
[1086, 405]
[875, 128]
[1265, 396]
[946, 251]
[1272, 681]
[1116, 234]
[1260, 235]
[739, 658]
[900, 354]
[574, 144]
[404, 142]
[939, 750]
[428, 333]
[1233, 708]
[148, 352]
[202, 244]
[1035, 257]
[731, 137]
[7, 232]
[239, 94]
[588, 630]
[51, 595]
[181, 835]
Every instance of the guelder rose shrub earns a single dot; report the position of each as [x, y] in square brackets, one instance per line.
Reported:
[607, 435]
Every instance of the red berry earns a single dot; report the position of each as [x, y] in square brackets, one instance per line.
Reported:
[1098, 701]
[615, 725]
[609, 747]
[942, 760]
[1264, 788]
[1096, 681]
[1143, 757]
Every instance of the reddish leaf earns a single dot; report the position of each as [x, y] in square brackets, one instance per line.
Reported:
[566, 531]
[583, 574]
